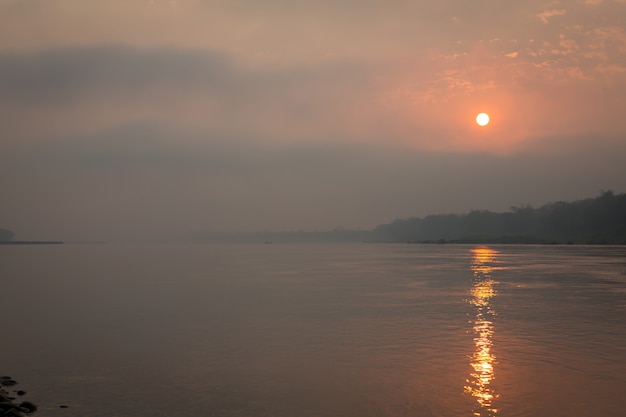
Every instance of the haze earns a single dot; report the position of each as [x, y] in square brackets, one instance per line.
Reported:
[138, 119]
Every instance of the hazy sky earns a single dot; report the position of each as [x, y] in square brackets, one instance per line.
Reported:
[136, 118]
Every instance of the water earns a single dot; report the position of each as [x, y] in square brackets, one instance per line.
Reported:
[316, 330]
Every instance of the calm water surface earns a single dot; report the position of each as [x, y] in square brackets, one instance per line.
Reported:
[316, 330]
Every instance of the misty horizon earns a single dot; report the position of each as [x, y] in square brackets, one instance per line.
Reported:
[594, 220]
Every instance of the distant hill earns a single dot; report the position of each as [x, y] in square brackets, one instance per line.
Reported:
[600, 220]
[6, 238]
[6, 235]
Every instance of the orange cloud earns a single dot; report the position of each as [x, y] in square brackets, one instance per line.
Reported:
[547, 14]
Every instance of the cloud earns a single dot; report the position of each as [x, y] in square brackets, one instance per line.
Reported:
[547, 14]
[82, 89]
[427, 103]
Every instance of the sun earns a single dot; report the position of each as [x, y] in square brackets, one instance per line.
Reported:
[482, 119]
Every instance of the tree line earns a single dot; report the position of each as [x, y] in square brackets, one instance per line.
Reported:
[600, 220]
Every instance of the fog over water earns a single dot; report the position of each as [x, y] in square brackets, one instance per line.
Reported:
[316, 330]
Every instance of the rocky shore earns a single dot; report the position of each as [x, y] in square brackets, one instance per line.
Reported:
[11, 402]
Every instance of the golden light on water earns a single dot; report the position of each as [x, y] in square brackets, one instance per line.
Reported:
[483, 360]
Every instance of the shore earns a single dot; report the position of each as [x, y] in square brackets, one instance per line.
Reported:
[30, 242]
[10, 404]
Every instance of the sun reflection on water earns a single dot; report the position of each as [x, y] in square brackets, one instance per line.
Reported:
[483, 360]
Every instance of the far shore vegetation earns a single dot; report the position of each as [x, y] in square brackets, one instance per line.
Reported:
[592, 221]
[6, 238]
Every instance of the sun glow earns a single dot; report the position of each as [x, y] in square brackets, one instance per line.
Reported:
[482, 119]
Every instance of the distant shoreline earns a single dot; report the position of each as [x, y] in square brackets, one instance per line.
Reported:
[30, 242]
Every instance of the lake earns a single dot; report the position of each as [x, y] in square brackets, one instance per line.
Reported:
[324, 330]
